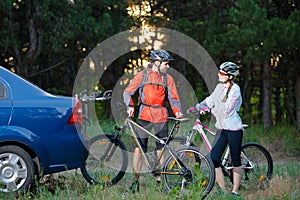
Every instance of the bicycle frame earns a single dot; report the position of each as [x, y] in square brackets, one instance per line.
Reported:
[200, 127]
[153, 166]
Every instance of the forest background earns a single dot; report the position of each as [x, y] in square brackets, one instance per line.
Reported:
[46, 41]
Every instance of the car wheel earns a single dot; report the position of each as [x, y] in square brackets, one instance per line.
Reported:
[16, 169]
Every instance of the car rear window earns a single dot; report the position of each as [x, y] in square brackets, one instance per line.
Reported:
[2, 91]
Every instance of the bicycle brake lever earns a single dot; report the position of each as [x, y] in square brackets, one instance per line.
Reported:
[192, 110]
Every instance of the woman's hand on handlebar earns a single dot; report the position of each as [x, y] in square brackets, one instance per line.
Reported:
[194, 110]
[203, 111]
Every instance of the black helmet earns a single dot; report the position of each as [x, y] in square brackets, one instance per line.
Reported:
[229, 68]
[161, 55]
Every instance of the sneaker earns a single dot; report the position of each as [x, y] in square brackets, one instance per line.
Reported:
[159, 186]
[135, 186]
[234, 193]
[158, 182]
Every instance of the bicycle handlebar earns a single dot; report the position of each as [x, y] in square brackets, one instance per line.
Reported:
[193, 110]
[179, 119]
[95, 96]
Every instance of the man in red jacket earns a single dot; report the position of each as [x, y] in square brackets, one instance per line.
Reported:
[155, 88]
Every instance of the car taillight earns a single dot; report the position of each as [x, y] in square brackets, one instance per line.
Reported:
[76, 116]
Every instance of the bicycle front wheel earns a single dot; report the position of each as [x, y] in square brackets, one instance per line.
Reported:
[257, 166]
[107, 161]
[198, 174]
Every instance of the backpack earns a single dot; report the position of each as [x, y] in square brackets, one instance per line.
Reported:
[164, 84]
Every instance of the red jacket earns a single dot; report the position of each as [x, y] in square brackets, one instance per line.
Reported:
[153, 96]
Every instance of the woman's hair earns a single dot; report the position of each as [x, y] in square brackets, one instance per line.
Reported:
[226, 96]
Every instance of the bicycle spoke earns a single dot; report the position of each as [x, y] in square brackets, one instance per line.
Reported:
[107, 161]
[198, 175]
[258, 166]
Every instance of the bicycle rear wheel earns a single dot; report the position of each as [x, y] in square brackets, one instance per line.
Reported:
[107, 161]
[201, 172]
[257, 166]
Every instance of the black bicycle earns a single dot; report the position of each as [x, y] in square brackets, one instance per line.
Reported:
[94, 153]
[186, 168]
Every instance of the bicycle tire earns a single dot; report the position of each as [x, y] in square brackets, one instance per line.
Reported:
[201, 167]
[256, 177]
[105, 169]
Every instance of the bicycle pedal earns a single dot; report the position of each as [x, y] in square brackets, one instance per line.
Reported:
[155, 172]
[229, 168]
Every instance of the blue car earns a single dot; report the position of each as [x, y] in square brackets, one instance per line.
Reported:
[40, 133]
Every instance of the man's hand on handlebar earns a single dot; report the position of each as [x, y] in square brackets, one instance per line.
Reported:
[178, 115]
[130, 111]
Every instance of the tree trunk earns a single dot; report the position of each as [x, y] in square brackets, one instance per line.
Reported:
[297, 88]
[247, 90]
[278, 108]
[298, 102]
[289, 102]
[34, 40]
[267, 94]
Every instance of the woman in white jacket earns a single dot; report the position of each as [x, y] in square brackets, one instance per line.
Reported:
[225, 102]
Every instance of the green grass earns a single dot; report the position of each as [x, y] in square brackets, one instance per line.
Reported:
[282, 142]
[284, 185]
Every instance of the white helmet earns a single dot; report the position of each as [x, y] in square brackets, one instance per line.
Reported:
[229, 68]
